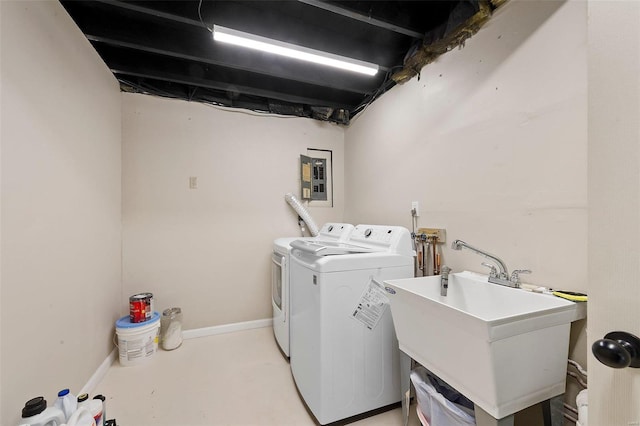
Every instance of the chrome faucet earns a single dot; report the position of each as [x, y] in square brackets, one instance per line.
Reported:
[444, 280]
[496, 276]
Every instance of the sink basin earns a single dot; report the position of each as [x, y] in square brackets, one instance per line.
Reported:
[503, 348]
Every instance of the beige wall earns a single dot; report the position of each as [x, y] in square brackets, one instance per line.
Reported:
[207, 250]
[60, 196]
[614, 202]
[492, 141]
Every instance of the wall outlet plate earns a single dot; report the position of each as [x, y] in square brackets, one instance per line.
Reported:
[415, 209]
[441, 234]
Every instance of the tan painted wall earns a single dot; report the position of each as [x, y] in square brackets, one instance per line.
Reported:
[208, 250]
[60, 195]
[492, 141]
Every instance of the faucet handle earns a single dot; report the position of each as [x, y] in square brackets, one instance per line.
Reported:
[515, 275]
[494, 271]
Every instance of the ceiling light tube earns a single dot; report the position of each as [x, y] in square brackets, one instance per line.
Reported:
[251, 41]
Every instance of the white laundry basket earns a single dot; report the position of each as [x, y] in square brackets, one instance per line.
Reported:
[437, 409]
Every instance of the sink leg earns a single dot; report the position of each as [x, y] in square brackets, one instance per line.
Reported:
[485, 419]
[546, 412]
[405, 385]
[552, 410]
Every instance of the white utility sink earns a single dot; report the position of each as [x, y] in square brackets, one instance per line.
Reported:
[503, 348]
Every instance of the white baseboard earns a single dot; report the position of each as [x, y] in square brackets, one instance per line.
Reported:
[226, 328]
[99, 374]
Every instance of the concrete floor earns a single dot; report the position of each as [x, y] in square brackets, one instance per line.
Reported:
[238, 378]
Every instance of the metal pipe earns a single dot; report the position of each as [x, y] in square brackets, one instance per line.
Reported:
[418, 257]
[571, 419]
[578, 378]
[425, 271]
[433, 239]
[578, 367]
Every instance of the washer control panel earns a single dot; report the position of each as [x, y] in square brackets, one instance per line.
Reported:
[374, 234]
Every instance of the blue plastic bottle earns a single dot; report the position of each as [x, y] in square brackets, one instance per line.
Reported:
[67, 403]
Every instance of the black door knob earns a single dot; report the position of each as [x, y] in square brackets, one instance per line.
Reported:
[618, 349]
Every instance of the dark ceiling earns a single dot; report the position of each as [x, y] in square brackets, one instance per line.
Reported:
[166, 48]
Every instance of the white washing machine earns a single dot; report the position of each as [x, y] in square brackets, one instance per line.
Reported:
[344, 352]
[280, 277]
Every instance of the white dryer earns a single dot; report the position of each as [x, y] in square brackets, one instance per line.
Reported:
[341, 365]
[280, 277]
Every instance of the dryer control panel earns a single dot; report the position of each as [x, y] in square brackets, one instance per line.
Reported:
[335, 231]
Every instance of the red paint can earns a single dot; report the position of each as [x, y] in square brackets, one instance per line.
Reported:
[150, 305]
[138, 305]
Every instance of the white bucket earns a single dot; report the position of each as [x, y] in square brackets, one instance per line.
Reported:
[137, 342]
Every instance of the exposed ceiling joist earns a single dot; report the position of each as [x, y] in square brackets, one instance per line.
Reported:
[165, 47]
[219, 58]
[227, 88]
[151, 12]
[362, 18]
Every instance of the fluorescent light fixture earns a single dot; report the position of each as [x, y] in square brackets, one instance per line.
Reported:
[251, 41]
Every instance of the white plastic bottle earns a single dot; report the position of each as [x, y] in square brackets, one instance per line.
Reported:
[582, 402]
[103, 409]
[95, 407]
[66, 402]
[36, 413]
[83, 401]
[81, 417]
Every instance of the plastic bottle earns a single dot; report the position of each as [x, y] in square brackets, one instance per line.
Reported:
[103, 409]
[36, 413]
[582, 402]
[83, 401]
[81, 417]
[95, 407]
[66, 402]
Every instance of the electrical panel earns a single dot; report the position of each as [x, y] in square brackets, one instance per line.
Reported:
[313, 182]
[305, 177]
[319, 179]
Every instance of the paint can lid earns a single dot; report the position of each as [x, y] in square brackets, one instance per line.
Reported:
[171, 312]
[125, 322]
